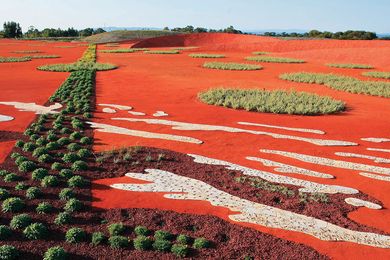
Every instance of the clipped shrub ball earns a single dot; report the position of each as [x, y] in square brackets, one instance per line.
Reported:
[39, 174]
[39, 151]
[27, 166]
[77, 181]
[142, 243]
[41, 141]
[66, 194]
[65, 130]
[33, 193]
[75, 235]
[116, 229]
[15, 155]
[180, 250]
[52, 146]
[86, 140]
[141, 231]
[8, 252]
[55, 253]
[73, 147]
[84, 153]
[45, 158]
[10, 177]
[63, 141]
[75, 136]
[63, 218]
[117, 242]
[66, 173]
[20, 159]
[49, 181]
[13, 204]
[201, 242]
[73, 205]
[34, 137]
[79, 166]
[162, 234]
[70, 157]
[56, 166]
[162, 245]
[29, 147]
[5, 232]
[3, 194]
[183, 239]
[20, 221]
[35, 231]
[98, 238]
[19, 144]
[44, 208]
[21, 186]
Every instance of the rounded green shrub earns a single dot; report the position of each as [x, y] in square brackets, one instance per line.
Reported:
[56, 166]
[10, 177]
[39, 151]
[20, 159]
[162, 245]
[66, 173]
[5, 232]
[98, 238]
[66, 194]
[79, 166]
[180, 250]
[73, 205]
[15, 155]
[34, 137]
[142, 243]
[50, 181]
[52, 146]
[116, 229]
[35, 231]
[41, 141]
[183, 239]
[39, 174]
[162, 234]
[65, 130]
[27, 166]
[55, 253]
[117, 242]
[75, 136]
[29, 147]
[63, 218]
[33, 193]
[20, 221]
[44, 208]
[3, 194]
[13, 204]
[141, 231]
[45, 158]
[84, 153]
[77, 181]
[75, 235]
[8, 252]
[73, 147]
[51, 138]
[21, 186]
[63, 141]
[86, 140]
[70, 157]
[201, 242]
[19, 144]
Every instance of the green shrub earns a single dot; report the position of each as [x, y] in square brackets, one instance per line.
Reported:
[73, 205]
[5, 232]
[13, 204]
[86, 140]
[116, 229]
[29, 147]
[44, 208]
[98, 238]
[78, 166]
[50, 181]
[45, 158]
[77, 181]
[73, 147]
[3, 194]
[66, 194]
[55, 253]
[70, 67]
[20, 221]
[41, 141]
[8, 252]
[63, 141]
[39, 151]
[162, 245]
[87, 115]
[231, 66]
[15, 155]
[349, 66]
[75, 136]
[39, 174]
[141, 231]
[273, 59]
[52, 146]
[10, 177]
[206, 55]
[33, 193]
[183, 239]
[65, 130]
[275, 101]
[180, 250]
[52, 138]
[27, 166]
[63, 218]
[377, 74]
[162, 235]
[34, 137]
[201, 242]
[70, 157]
[56, 166]
[75, 235]
[162, 52]
[117, 242]
[19, 144]
[35, 231]
[20, 159]
[260, 53]
[66, 173]
[142, 243]
[21, 186]
[84, 153]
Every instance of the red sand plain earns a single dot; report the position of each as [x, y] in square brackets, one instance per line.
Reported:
[171, 83]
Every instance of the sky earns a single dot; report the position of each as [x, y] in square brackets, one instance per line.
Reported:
[330, 15]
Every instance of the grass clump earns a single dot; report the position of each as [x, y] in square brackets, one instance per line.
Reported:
[273, 59]
[276, 101]
[377, 74]
[75, 235]
[43, 56]
[162, 245]
[183, 239]
[63, 218]
[98, 238]
[180, 250]
[55, 253]
[44, 208]
[130, 50]
[27, 51]
[13, 204]
[201, 242]
[141, 231]
[33, 193]
[230, 66]
[206, 55]
[349, 66]
[3, 194]
[116, 229]
[35, 231]
[14, 59]
[117, 242]
[73, 205]
[142, 243]
[342, 83]
[20, 221]
[162, 52]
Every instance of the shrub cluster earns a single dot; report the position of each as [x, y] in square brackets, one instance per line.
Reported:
[230, 66]
[377, 74]
[273, 59]
[206, 55]
[349, 66]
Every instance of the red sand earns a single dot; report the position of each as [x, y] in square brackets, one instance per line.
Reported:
[171, 83]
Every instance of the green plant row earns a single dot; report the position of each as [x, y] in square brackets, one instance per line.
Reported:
[260, 53]
[206, 55]
[124, 50]
[377, 74]
[349, 66]
[14, 59]
[273, 59]
[30, 51]
[343, 83]
[163, 52]
[231, 66]
[43, 56]
[276, 101]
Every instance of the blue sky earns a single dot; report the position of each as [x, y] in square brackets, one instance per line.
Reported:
[332, 15]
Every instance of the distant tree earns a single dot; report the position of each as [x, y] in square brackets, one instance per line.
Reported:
[32, 32]
[166, 28]
[98, 30]
[12, 30]
[86, 32]
[231, 29]
[200, 30]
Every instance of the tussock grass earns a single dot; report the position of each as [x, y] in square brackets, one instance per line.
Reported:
[124, 50]
[43, 56]
[206, 55]
[349, 66]
[231, 66]
[28, 51]
[14, 59]
[260, 53]
[163, 52]
[276, 101]
[184, 48]
[273, 59]
[343, 83]
[377, 74]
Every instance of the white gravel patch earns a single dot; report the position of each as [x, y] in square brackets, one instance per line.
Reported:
[379, 150]
[109, 110]
[4, 118]
[184, 188]
[362, 203]
[364, 156]
[160, 114]
[119, 107]
[134, 113]
[303, 130]
[375, 176]
[376, 139]
[33, 107]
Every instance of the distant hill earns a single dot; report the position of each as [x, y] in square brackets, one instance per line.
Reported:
[126, 35]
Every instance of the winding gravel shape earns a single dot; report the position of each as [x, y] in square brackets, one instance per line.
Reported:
[362, 203]
[33, 107]
[303, 130]
[364, 156]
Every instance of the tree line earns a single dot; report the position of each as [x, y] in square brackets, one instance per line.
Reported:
[347, 35]
[192, 29]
